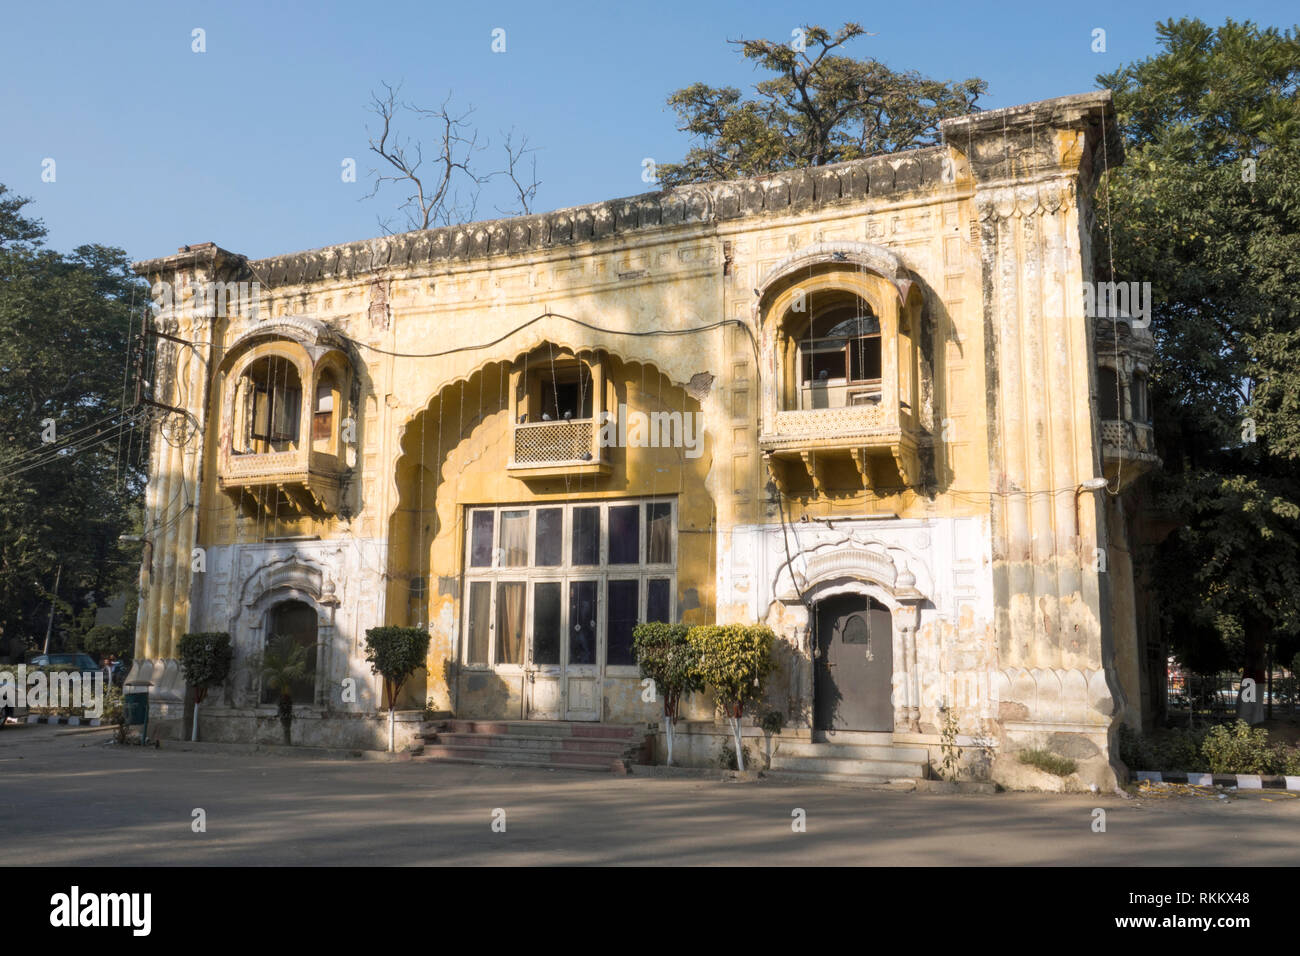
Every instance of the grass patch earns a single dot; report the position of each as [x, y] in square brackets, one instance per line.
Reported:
[1048, 762]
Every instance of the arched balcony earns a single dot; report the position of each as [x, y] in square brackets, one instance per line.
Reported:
[284, 392]
[841, 336]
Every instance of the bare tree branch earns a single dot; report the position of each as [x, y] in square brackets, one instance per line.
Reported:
[446, 190]
[525, 190]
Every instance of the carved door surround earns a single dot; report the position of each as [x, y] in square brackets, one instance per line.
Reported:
[872, 570]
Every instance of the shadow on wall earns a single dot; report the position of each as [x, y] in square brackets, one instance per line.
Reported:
[481, 694]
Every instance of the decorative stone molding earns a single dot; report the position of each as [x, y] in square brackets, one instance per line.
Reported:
[294, 573]
[309, 332]
[869, 256]
[1018, 202]
[1065, 699]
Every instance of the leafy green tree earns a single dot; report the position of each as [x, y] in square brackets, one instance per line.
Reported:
[116, 640]
[818, 107]
[667, 658]
[205, 660]
[70, 461]
[1207, 209]
[284, 664]
[395, 653]
[734, 661]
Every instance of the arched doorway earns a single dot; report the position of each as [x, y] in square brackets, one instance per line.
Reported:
[853, 664]
[296, 622]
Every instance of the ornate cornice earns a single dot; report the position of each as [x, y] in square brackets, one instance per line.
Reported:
[1020, 201]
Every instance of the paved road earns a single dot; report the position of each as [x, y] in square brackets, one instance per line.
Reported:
[73, 800]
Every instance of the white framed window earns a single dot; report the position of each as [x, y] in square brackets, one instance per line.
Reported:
[565, 583]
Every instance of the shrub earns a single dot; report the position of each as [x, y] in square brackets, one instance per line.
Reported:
[773, 722]
[205, 661]
[1048, 762]
[734, 660]
[666, 657]
[1164, 750]
[1288, 759]
[395, 653]
[727, 757]
[1239, 749]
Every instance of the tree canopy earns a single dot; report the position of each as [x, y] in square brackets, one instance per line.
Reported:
[70, 464]
[819, 106]
[1207, 209]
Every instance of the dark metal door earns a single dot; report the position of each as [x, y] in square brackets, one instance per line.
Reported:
[853, 665]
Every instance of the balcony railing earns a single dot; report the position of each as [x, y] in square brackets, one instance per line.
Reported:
[811, 441]
[551, 448]
[1128, 449]
[846, 425]
[1125, 437]
[314, 474]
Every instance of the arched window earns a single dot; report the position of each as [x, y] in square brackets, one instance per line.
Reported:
[324, 415]
[1139, 398]
[839, 357]
[1107, 394]
[272, 392]
[292, 625]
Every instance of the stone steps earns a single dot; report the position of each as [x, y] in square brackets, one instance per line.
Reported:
[862, 738]
[867, 762]
[803, 748]
[549, 744]
[866, 781]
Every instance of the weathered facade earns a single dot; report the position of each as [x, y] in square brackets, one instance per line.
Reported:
[859, 403]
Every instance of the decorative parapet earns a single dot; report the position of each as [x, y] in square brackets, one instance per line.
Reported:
[783, 193]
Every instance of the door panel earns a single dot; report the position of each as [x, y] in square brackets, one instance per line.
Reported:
[582, 666]
[853, 665]
[545, 688]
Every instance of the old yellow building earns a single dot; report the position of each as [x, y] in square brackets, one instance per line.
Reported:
[859, 403]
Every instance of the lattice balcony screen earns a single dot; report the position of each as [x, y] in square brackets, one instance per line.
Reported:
[540, 442]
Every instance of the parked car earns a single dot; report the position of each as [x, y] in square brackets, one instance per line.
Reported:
[68, 662]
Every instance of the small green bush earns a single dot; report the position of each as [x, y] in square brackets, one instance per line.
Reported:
[773, 722]
[666, 657]
[1239, 749]
[1163, 750]
[734, 661]
[395, 653]
[1048, 762]
[205, 660]
[727, 757]
[1289, 760]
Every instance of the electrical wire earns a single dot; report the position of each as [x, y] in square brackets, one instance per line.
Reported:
[568, 318]
[68, 451]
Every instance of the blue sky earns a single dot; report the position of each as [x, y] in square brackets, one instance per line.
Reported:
[156, 146]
